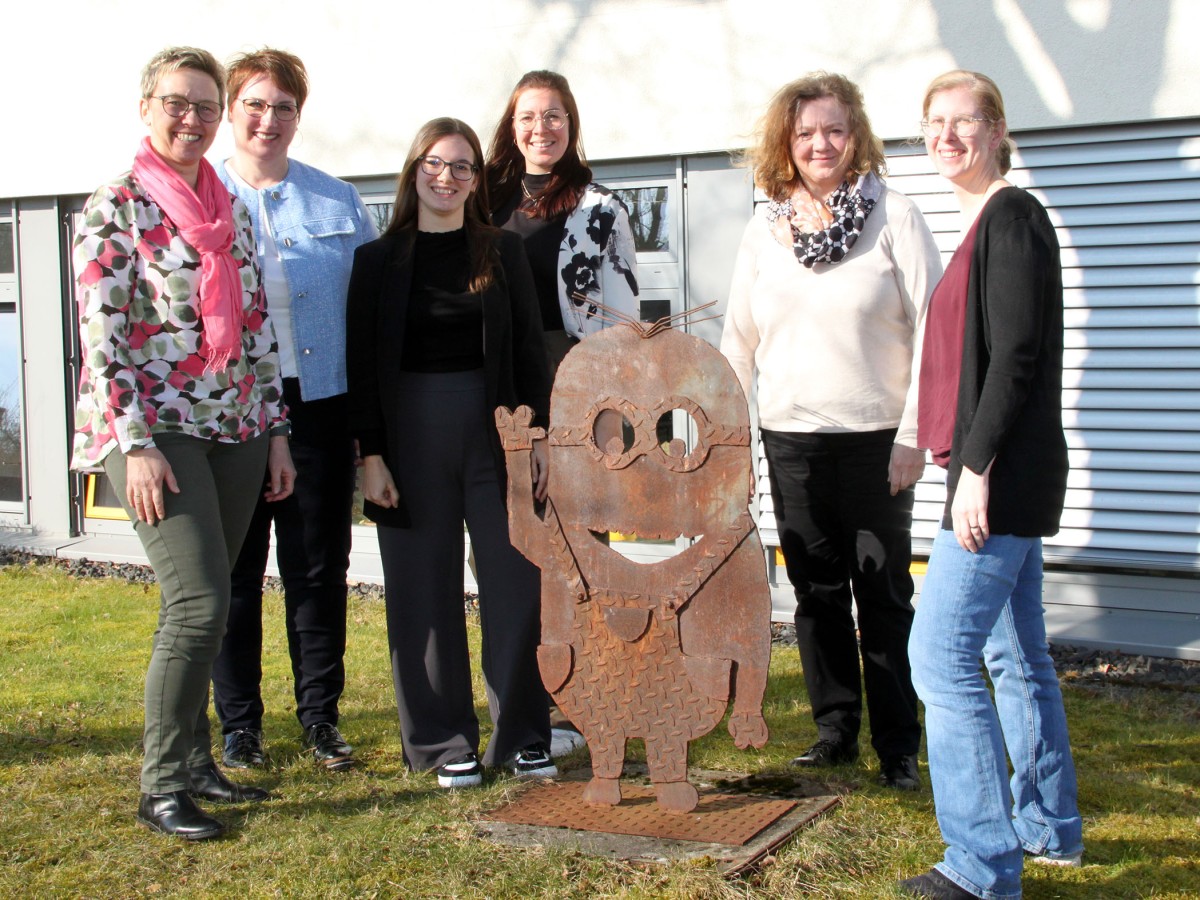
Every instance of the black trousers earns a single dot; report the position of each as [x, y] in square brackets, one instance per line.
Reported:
[446, 472]
[312, 536]
[844, 537]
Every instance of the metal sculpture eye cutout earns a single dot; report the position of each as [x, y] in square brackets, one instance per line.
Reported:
[643, 434]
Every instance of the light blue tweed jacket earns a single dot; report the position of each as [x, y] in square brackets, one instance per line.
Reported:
[317, 221]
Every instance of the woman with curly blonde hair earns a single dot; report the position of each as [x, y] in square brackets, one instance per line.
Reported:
[827, 301]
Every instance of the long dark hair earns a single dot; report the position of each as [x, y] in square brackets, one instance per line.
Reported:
[476, 216]
[506, 165]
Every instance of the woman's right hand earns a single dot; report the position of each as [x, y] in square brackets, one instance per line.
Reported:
[377, 483]
[146, 471]
[968, 512]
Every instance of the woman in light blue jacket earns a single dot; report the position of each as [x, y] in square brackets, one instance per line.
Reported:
[307, 225]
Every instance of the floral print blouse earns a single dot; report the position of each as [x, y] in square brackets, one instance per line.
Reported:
[142, 371]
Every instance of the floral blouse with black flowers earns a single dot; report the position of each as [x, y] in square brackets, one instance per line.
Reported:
[139, 322]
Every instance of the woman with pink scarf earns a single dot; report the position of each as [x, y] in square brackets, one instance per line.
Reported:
[180, 403]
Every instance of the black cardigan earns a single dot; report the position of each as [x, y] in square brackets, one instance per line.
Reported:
[514, 356]
[1010, 390]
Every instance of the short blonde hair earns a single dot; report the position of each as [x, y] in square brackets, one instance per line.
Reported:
[771, 156]
[172, 59]
[985, 93]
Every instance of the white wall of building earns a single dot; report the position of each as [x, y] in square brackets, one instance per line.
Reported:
[653, 77]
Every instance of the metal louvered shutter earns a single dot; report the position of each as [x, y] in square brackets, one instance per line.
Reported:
[1125, 200]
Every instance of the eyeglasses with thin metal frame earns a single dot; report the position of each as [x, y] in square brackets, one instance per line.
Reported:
[177, 107]
[460, 170]
[553, 119]
[256, 109]
[962, 126]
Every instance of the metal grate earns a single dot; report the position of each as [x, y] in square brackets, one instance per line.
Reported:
[718, 819]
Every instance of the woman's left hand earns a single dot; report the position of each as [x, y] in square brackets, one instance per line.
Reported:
[539, 469]
[905, 467]
[968, 512]
[281, 470]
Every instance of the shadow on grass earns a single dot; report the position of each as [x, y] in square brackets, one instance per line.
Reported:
[50, 743]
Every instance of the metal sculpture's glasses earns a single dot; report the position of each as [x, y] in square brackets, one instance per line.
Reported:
[177, 107]
[256, 109]
[643, 425]
[553, 119]
[461, 171]
[962, 126]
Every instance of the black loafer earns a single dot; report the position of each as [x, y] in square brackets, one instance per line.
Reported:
[900, 772]
[827, 752]
[210, 783]
[175, 814]
[935, 886]
[329, 749]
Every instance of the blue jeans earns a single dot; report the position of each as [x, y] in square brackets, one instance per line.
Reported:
[987, 606]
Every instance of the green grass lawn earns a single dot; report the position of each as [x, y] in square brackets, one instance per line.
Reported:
[73, 654]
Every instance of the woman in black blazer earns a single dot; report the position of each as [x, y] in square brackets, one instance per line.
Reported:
[443, 327]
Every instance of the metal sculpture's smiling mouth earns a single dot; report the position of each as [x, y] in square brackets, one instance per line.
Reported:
[665, 546]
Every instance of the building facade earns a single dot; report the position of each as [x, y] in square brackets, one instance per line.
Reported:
[1101, 98]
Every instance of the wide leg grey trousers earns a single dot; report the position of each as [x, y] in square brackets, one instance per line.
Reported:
[444, 466]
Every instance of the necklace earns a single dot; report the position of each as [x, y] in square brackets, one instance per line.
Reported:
[525, 191]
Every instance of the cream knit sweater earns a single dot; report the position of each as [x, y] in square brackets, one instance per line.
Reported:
[837, 347]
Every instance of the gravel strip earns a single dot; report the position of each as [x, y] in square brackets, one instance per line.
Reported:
[1081, 664]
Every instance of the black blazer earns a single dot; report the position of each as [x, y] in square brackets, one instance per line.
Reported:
[1010, 390]
[514, 356]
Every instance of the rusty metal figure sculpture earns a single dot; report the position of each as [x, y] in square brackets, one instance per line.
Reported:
[649, 650]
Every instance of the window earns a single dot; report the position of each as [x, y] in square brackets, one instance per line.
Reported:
[11, 456]
[649, 217]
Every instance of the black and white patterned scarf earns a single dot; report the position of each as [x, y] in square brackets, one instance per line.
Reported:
[849, 206]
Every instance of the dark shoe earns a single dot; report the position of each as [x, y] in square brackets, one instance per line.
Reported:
[244, 749]
[826, 752]
[532, 762]
[936, 886]
[210, 783]
[900, 772]
[175, 814]
[462, 772]
[329, 748]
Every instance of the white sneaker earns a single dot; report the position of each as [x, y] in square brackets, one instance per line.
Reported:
[1073, 861]
[532, 762]
[462, 772]
[564, 741]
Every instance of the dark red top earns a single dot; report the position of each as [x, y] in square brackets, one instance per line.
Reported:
[941, 354]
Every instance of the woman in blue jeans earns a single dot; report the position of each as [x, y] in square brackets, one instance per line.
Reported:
[990, 410]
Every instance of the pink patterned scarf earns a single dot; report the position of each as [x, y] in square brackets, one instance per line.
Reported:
[204, 218]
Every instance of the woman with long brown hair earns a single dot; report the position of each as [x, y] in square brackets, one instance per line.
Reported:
[576, 232]
[443, 328]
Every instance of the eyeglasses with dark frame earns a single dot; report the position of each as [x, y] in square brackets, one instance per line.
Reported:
[256, 109]
[177, 107]
[962, 126]
[460, 170]
[553, 119]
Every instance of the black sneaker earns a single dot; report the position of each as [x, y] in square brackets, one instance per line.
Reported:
[462, 772]
[532, 762]
[330, 750]
[244, 749]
